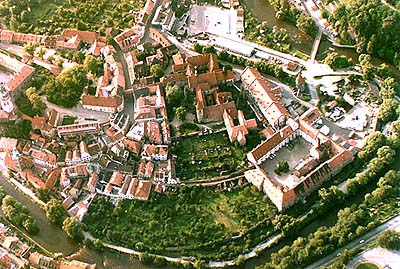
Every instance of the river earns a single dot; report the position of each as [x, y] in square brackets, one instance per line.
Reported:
[264, 11]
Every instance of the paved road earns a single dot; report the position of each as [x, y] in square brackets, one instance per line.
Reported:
[394, 223]
[78, 111]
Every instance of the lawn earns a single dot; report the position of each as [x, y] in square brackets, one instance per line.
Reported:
[197, 218]
[367, 265]
[207, 156]
[67, 120]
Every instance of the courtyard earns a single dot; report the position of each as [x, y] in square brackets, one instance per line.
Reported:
[212, 19]
[296, 151]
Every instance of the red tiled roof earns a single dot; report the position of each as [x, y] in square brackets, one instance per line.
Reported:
[271, 143]
[100, 101]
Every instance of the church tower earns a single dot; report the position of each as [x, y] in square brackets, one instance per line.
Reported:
[6, 102]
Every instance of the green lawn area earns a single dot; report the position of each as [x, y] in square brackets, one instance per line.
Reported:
[197, 218]
[367, 265]
[67, 120]
[207, 156]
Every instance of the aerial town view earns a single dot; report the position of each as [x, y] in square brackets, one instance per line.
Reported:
[260, 134]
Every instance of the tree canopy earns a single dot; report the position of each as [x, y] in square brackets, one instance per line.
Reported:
[156, 71]
[73, 228]
[336, 61]
[376, 27]
[55, 212]
[390, 239]
[66, 89]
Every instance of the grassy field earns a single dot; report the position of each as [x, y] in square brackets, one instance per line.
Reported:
[207, 156]
[367, 265]
[193, 217]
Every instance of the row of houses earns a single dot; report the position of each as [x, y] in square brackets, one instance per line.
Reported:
[68, 39]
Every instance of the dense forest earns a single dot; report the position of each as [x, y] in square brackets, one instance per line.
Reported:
[373, 27]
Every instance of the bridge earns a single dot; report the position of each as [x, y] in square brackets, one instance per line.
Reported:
[315, 47]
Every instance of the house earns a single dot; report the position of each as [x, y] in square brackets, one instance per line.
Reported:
[238, 132]
[78, 129]
[8, 144]
[22, 73]
[145, 13]
[143, 190]
[44, 158]
[164, 18]
[85, 155]
[67, 202]
[132, 145]
[104, 104]
[155, 152]
[38, 260]
[265, 98]
[52, 178]
[149, 170]
[117, 178]
[153, 132]
[211, 104]
[161, 38]
[129, 38]
[91, 184]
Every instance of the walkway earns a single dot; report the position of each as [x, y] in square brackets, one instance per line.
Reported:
[315, 47]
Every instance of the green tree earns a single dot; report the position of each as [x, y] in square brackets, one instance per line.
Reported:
[2, 193]
[43, 194]
[336, 61]
[181, 113]
[371, 144]
[389, 88]
[307, 25]
[55, 212]
[240, 260]
[93, 65]
[388, 110]
[390, 239]
[41, 52]
[78, 57]
[30, 48]
[156, 71]
[174, 95]
[37, 103]
[283, 167]
[367, 68]
[67, 88]
[73, 228]
[30, 225]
